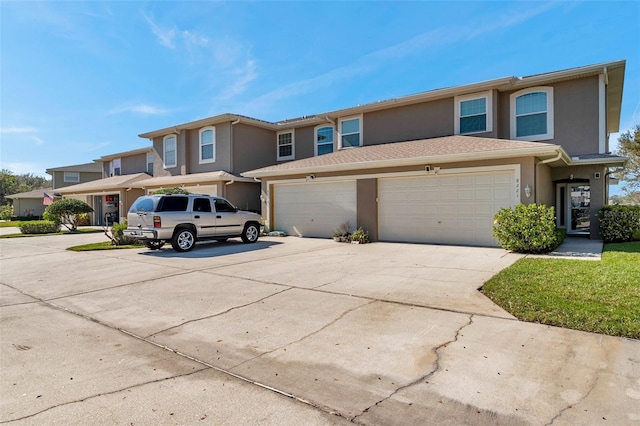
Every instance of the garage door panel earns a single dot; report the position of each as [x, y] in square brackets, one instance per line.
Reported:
[314, 209]
[456, 209]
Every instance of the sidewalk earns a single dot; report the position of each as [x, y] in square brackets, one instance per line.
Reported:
[581, 248]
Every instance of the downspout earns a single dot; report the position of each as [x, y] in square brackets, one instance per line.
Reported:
[231, 165]
[535, 173]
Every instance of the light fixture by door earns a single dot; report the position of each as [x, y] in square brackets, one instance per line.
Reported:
[527, 191]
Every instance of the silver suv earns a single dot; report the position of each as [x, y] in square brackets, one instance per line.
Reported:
[184, 219]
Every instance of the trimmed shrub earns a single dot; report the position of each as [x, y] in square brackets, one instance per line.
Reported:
[527, 229]
[619, 223]
[6, 212]
[360, 236]
[68, 211]
[119, 239]
[39, 227]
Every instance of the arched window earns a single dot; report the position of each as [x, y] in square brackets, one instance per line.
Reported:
[532, 114]
[170, 151]
[324, 137]
[207, 145]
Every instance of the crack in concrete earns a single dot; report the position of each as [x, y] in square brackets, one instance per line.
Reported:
[86, 398]
[583, 397]
[426, 376]
[233, 308]
[324, 327]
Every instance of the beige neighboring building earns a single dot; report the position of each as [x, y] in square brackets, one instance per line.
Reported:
[28, 204]
[435, 167]
[73, 175]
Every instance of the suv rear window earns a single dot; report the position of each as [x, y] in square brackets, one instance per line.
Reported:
[142, 204]
[173, 204]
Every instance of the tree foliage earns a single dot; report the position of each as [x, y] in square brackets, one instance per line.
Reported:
[175, 190]
[11, 183]
[68, 212]
[629, 146]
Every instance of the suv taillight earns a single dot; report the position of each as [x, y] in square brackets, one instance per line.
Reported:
[157, 223]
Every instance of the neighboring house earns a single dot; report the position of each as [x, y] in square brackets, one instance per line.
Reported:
[436, 166]
[73, 175]
[32, 203]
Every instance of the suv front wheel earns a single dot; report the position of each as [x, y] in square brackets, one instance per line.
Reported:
[184, 239]
[250, 233]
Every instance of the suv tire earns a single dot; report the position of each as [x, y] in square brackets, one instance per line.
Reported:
[184, 239]
[250, 233]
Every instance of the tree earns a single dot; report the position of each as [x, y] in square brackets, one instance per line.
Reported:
[67, 212]
[15, 184]
[630, 147]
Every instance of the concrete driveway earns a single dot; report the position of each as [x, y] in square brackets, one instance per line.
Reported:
[289, 331]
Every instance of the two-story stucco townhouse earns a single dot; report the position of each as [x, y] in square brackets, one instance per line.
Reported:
[435, 167]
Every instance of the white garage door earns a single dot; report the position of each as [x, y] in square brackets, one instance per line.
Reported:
[449, 209]
[314, 209]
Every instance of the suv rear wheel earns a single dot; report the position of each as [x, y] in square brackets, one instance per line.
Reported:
[250, 233]
[184, 239]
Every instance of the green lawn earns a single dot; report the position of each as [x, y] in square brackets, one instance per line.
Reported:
[63, 231]
[103, 245]
[601, 297]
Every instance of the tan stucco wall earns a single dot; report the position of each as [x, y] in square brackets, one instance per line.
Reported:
[28, 206]
[575, 115]
[253, 148]
[544, 191]
[134, 164]
[58, 179]
[367, 194]
[222, 150]
[243, 195]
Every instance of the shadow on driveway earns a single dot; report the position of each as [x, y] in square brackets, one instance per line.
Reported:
[211, 249]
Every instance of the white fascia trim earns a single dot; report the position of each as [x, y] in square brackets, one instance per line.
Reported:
[602, 115]
[598, 161]
[550, 114]
[359, 117]
[473, 156]
[293, 145]
[488, 96]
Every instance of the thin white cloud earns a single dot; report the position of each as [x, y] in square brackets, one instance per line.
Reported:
[241, 77]
[8, 130]
[37, 140]
[20, 168]
[143, 109]
[165, 36]
[191, 38]
[370, 62]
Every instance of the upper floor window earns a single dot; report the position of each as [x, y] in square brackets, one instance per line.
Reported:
[324, 139]
[286, 149]
[473, 114]
[114, 167]
[150, 163]
[72, 177]
[350, 132]
[207, 145]
[170, 151]
[532, 114]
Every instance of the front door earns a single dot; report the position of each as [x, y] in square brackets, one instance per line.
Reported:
[573, 201]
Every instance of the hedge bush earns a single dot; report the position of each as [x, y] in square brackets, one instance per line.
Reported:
[527, 229]
[117, 230]
[619, 223]
[6, 212]
[39, 227]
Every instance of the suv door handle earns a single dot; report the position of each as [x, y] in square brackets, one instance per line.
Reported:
[218, 217]
[196, 217]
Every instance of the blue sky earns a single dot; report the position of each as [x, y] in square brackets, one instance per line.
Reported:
[79, 80]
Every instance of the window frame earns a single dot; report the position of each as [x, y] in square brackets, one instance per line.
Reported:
[549, 111]
[200, 145]
[113, 168]
[315, 138]
[66, 177]
[164, 151]
[341, 135]
[293, 145]
[150, 163]
[458, 100]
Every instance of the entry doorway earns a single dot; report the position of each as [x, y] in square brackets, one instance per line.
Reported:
[573, 201]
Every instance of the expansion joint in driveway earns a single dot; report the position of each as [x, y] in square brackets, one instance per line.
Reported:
[113, 392]
[424, 378]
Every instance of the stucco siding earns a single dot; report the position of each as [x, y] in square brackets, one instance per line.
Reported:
[419, 121]
[222, 150]
[367, 210]
[253, 147]
[133, 164]
[244, 195]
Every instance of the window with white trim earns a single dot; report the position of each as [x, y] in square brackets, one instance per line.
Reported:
[350, 132]
[286, 145]
[532, 114]
[72, 177]
[150, 163]
[207, 145]
[114, 167]
[170, 151]
[324, 139]
[473, 113]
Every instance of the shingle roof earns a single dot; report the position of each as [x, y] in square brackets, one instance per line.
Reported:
[113, 182]
[190, 178]
[89, 167]
[36, 193]
[443, 149]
